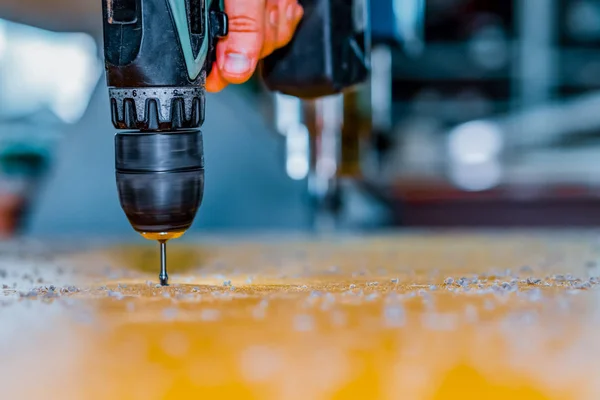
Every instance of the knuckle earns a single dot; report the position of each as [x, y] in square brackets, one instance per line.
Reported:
[242, 23]
[267, 50]
[284, 36]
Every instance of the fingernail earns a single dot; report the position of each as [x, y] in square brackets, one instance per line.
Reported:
[290, 11]
[273, 16]
[237, 63]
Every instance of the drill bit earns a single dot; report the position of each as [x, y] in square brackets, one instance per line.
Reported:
[164, 277]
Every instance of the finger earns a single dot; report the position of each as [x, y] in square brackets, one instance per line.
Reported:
[271, 27]
[215, 82]
[290, 14]
[238, 54]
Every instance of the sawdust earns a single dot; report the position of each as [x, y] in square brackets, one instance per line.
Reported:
[424, 317]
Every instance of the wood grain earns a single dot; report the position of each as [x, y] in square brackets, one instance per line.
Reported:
[415, 316]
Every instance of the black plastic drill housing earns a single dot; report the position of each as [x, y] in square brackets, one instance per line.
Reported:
[158, 54]
[149, 82]
[329, 53]
[160, 179]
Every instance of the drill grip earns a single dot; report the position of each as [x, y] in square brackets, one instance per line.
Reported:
[328, 54]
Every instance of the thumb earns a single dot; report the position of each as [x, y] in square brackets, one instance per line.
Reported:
[238, 53]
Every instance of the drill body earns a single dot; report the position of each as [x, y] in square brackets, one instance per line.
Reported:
[158, 54]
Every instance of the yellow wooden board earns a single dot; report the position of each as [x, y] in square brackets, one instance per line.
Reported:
[420, 316]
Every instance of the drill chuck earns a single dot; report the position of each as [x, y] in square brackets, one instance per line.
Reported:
[160, 178]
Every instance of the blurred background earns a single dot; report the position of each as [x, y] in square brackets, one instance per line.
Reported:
[478, 113]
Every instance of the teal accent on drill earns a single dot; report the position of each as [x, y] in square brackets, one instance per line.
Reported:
[194, 64]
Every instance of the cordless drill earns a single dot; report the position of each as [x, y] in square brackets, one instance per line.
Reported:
[158, 54]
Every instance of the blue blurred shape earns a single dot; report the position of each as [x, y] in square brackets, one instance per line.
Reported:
[43, 70]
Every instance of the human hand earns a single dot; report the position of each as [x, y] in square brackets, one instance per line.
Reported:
[256, 29]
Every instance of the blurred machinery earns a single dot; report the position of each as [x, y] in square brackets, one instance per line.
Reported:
[511, 101]
[481, 113]
[328, 139]
[46, 81]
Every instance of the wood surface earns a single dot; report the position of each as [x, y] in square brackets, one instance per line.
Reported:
[510, 315]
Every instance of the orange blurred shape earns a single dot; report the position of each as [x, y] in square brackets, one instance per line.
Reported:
[10, 213]
[465, 383]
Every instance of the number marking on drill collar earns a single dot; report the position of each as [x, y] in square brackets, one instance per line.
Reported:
[194, 64]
